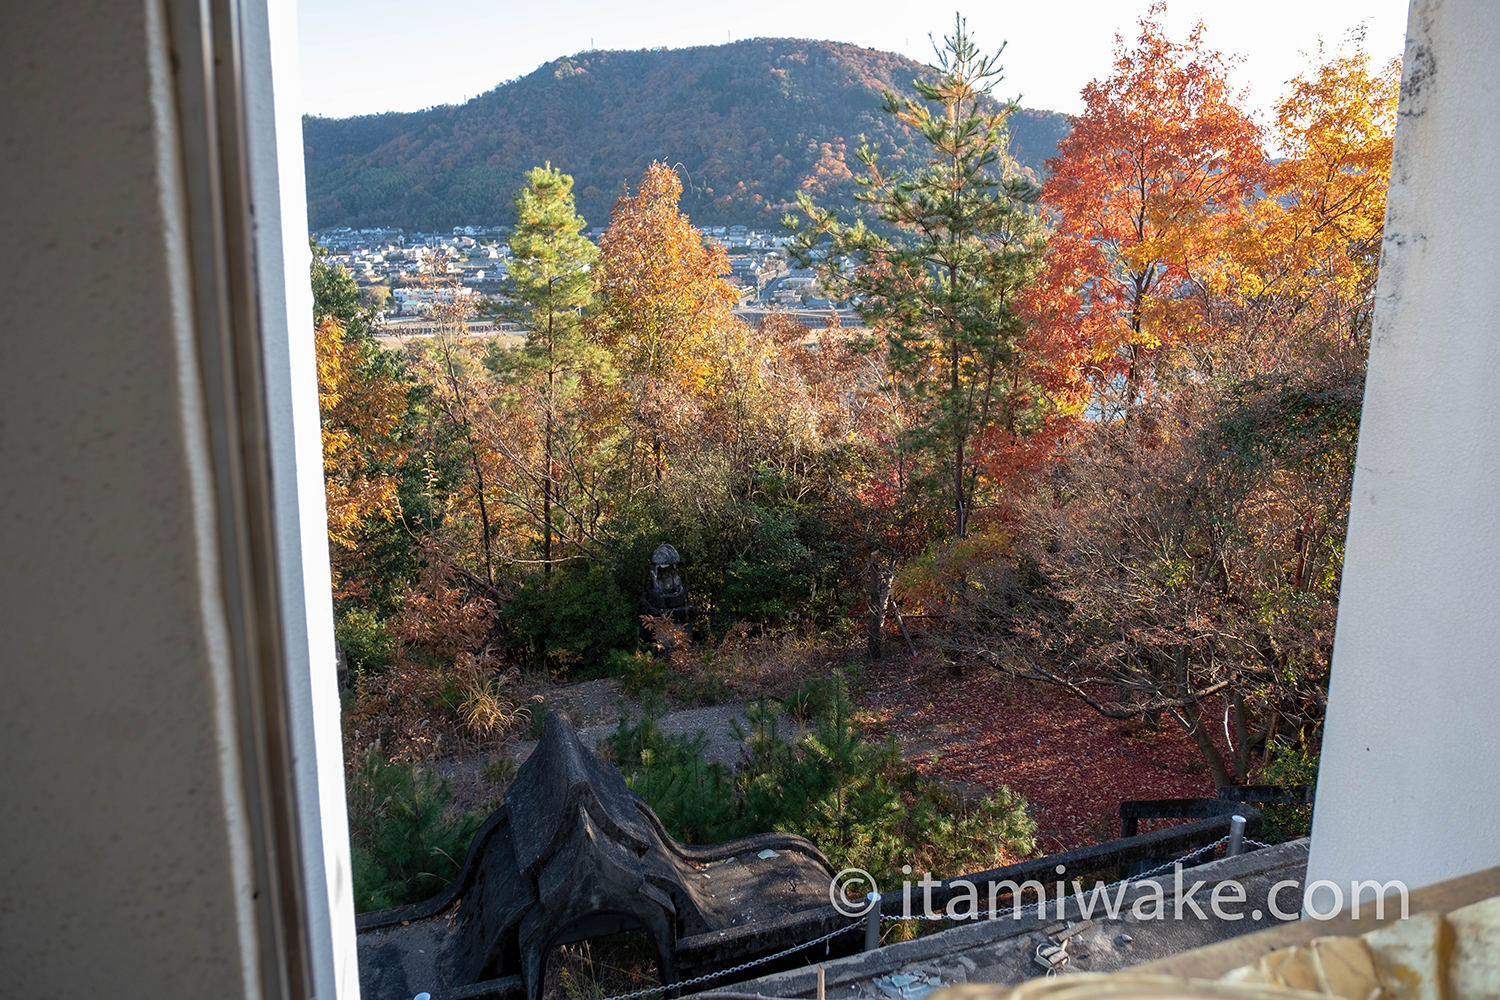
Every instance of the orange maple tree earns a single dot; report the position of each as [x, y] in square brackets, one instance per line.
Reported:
[1155, 171]
[666, 296]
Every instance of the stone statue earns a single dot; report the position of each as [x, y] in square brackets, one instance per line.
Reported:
[665, 593]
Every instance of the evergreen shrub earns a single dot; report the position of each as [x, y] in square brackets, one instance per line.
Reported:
[853, 797]
[363, 637]
[403, 848]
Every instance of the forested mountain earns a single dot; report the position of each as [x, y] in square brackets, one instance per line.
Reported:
[748, 124]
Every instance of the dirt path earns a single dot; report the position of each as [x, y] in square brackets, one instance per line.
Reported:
[595, 708]
[716, 722]
[975, 734]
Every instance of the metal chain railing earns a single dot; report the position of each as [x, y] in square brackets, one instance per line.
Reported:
[860, 922]
[706, 977]
[1020, 911]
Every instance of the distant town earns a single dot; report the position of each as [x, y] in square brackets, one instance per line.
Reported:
[395, 261]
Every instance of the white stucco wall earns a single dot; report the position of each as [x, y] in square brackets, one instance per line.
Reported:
[129, 843]
[124, 858]
[1407, 787]
[279, 206]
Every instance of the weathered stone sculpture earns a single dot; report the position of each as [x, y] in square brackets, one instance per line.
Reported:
[666, 594]
[574, 854]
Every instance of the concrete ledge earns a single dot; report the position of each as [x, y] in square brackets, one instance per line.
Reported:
[1001, 950]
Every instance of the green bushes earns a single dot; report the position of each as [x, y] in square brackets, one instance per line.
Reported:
[694, 799]
[852, 797]
[846, 794]
[403, 848]
[810, 701]
[750, 554]
[578, 616]
[755, 548]
[777, 578]
[364, 639]
[1292, 765]
[639, 670]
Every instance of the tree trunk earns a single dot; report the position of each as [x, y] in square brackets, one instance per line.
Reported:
[1192, 720]
[1241, 734]
[547, 455]
[1270, 747]
[960, 513]
[547, 503]
[960, 508]
[878, 580]
[484, 514]
[1299, 545]
[459, 418]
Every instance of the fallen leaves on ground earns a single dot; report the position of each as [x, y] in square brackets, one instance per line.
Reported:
[1073, 765]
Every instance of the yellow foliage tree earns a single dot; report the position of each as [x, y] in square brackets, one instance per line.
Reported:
[361, 409]
[1305, 262]
[666, 297]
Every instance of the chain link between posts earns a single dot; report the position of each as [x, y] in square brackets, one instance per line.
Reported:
[1021, 911]
[860, 922]
[696, 980]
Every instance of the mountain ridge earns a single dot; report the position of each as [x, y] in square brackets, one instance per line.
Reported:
[749, 123]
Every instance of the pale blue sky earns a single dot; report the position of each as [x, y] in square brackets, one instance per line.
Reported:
[383, 55]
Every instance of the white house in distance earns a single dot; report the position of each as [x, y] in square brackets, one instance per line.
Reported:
[419, 300]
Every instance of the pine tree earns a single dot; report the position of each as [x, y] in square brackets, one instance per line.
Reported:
[553, 285]
[944, 285]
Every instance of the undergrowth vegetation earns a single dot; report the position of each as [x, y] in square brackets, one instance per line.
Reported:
[852, 796]
[404, 846]
[1292, 765]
